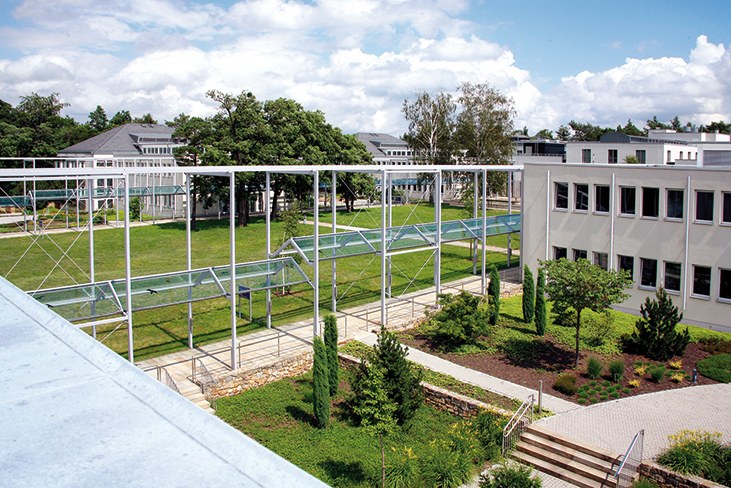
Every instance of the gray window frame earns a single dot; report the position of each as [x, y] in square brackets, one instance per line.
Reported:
[701, 207]
[598, 199]
[556, 200]
[648, 261]
[580, 201]
[673, 277]
[624, 201]
[672, 205]
[700, 284]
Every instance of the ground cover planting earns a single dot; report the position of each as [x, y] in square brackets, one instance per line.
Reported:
[513, 351]
[161, 248]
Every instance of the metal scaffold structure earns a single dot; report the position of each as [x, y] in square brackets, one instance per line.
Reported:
[114, 301]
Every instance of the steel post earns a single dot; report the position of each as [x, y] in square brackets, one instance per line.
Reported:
[316, 245]
[128, 272]
[383, 248]
[232, 255]
[268, 219]
[189, 257]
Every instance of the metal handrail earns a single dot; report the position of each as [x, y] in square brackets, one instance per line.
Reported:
[169, 382]
[638, 436]
[516, 419]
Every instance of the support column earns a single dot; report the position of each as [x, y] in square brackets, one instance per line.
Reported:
[333, 200]
[189, 257]
[383, 248]
[390, 224]
[510, 211]
[268, 219]
[90, 211]
[232, 255]
[316, 244]
[128, 272]
[522, 220]
[438, 255]
[483, 280]
[475, 210]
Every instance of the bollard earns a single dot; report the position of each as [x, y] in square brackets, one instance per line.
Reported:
[695, 376]
[346, 326]
[540, 396]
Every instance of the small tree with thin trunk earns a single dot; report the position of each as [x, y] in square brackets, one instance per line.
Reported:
[540, 315]
[582, 285]
[529, 296]
[493, 295]
[375, 409]
[331, 343]
[320, 384]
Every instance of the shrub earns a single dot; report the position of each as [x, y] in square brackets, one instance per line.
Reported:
[676, 364]
[135, 208]
[594, 367]
[698, 453]
[594, 400]
[634, 383]
[489, 426]
[641, 370]
[592, 392]
[331, 344]
[461, 319]
[657, 374]
[677, 377]
[529, 295]
[716, 367]
[582, 401]
[597, 326]
[566, 383]
[404, 471]
[444, 467]
[493, 296]
[592, 383]
[714, 345]
[616, 370]
[540, 314]
[614, 394]
[321, 384]
[606, 384]
[585, 387]
[510, 475]
[655, 333]
[627, 391]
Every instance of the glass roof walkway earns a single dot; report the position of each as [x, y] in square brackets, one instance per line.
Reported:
[95, 303]
[359, 242]
[82, 193]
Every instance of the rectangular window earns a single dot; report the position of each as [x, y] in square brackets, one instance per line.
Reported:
[675, 204]
[668, 156]
[560, 252]
[627, 200]
[579, 254]
[586, 155]
[581, 197]
[627, 263]
[641, 155]
[612, 156]
[601, 200]
[649, 272]
[702, 281]
[601, 259]
[562, 195]
[726, 210]
[704, 206]
[672, 277]
[724, 289]
[650, 202]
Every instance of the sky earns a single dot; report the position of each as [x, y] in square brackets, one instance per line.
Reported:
[358, 60]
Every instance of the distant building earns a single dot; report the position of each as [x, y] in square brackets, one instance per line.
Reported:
[529, 150]
[615, 147]
[386, 149]
[714, 149]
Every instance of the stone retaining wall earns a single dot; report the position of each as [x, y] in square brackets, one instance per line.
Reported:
[241, 379]
[667, 478]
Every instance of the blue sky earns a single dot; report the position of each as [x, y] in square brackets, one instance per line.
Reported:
[358, 60]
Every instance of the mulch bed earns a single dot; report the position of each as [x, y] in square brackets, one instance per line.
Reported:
[555, 359]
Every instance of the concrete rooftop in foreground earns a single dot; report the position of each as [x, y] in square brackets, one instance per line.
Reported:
[74, 413]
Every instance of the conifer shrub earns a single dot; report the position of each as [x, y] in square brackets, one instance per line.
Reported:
[655, 334]
[529, 295]
[321, 384]
[540, 309]
[716, 367]
[331, 344]
[566, 383]
[493, 295]
[461, 319]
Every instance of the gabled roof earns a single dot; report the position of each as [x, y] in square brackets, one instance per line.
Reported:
[378, 143]
[120, 141]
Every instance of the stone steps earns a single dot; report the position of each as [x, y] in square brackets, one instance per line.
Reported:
[565, 458]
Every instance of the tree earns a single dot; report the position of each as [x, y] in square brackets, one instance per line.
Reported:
[655, 334]
[587, 131]
[631, 159]
[98, 119]
[375, 408]
[484, 128]
[544, 134]
[656, 124]
[582, 285]
[431, 122]
[719, 126]
[38, 110]
[320, 384]
[540, 316]
[529, 296]
[331, 343]
[120, 118]
[630, 129]
[145, 119]
[493, 295]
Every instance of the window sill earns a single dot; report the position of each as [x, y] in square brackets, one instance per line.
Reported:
[629, 216]
[700, 297]
[672, 292]
[645, 217]
[581, 211]
[725, 224]
[673, 219]
[723, 300]
[559, 209]
[647, 288]
[703, 222]
[597, 212]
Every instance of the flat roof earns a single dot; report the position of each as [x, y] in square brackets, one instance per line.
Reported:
[74, 413]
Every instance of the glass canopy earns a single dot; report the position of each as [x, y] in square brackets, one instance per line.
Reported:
[355, 243]
[107, 298]
[82, 193]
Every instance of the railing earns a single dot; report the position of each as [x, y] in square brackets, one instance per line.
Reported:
[517, 424]
[631, 461]
[163, 377]
[203, 378]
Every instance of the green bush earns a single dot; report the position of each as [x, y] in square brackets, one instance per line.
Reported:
[657, 374]
[583, 394]
[529, 295]
[510, 475]
[135, 208]
[461, 320]
[331, 345]
[656, 334]
[566, 383]
[582, 400]
[404, 471]
[716, 367]
[445, 468]
[616, 370]
[606, 384]
[643, 483]
[540, 313]
[489, 426]
[698, 453]
[614, 394]
[594, 400]
[626, 391]
[714, 345]
[594, 367]
[321, 384]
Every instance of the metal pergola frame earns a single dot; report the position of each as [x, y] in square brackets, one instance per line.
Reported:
[433, 241]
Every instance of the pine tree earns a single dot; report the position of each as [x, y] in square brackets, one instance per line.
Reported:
[331, 343]
[540, 315]
[401, 380]
[320, 385]
[655, 335]
[529, 296]
[493, 295]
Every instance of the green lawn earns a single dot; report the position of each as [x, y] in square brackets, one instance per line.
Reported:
[161, 248]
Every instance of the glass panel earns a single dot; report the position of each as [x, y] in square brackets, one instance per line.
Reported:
[160, 290]
[79, 302]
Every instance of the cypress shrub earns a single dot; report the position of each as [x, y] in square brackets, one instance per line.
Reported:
[493, 295]
[321, 385]
[331, 344]
[540, 314]
[529, 296]
[656, 335]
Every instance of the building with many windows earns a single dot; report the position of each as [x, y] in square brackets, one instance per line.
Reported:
[668, 226]
[615, 147]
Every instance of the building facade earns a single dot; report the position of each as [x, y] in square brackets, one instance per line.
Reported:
[668, 226]
[615, 147]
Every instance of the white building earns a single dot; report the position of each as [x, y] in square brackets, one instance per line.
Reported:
[614, 147]
[714, 149]
[669, 226]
